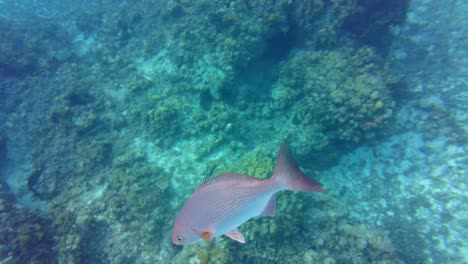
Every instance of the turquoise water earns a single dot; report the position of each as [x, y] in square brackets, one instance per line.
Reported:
[113, 112]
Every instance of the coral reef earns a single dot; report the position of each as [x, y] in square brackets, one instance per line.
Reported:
[164, 121]
[112, 114]
[255, 164]
[25, 234]
[343, 94]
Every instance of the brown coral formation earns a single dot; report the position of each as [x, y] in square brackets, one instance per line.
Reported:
[344, 93]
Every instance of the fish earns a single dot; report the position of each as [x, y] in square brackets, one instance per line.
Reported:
[223, 203]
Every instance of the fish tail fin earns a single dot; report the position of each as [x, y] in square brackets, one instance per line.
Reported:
[288, 175]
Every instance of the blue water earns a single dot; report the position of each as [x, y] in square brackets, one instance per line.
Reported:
[113, 112]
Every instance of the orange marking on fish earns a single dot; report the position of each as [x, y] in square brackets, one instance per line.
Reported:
[206, 235]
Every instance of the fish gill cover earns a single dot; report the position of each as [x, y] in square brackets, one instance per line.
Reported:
[112, 112]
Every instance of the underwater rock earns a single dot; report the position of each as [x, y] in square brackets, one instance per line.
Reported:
[432, 103]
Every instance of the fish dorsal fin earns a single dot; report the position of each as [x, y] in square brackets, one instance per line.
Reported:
[236, 235]
[204, 183]
[231, 178]
[270, 208]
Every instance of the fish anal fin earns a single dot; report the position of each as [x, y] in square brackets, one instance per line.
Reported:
[270, 208]
[236, 235]
[206, 235]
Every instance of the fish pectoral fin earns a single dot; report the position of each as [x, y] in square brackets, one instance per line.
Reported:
[206, 235]
[270, 208]
[236, 235]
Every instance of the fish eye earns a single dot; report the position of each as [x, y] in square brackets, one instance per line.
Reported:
[180, 239]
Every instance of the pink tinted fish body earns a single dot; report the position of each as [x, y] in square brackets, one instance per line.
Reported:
[221, 204]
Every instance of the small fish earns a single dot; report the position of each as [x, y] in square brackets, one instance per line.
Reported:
[223, 203]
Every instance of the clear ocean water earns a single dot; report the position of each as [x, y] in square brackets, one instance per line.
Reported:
[112, 112]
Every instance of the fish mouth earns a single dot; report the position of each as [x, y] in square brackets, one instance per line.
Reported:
[176, 243]
[176, 247]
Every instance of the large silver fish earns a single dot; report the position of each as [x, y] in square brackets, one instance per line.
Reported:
[223, 203]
